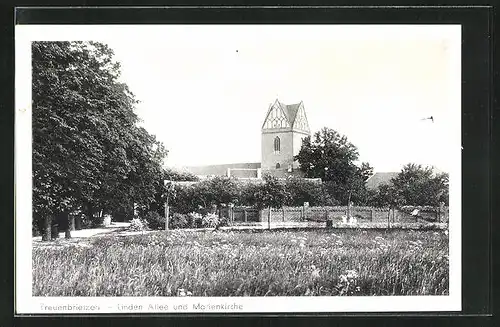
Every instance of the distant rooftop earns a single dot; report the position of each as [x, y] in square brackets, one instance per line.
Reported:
[220, 170]
[378, 179]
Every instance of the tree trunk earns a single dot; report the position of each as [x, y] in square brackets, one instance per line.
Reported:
[47, 228]
[71, 221]
[78, 222]
[90, 213]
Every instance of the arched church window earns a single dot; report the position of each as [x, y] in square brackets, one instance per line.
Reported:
[277, 145]
[278, 165]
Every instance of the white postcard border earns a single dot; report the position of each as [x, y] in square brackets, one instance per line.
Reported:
[24, 301]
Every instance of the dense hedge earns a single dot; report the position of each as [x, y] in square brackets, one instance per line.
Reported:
[208, 195]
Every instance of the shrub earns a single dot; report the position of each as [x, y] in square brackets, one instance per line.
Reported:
[410, 209]
[138, 224]
[211, 221]
[154, 220]
[178, 220]
[224, 221]
[195, 220]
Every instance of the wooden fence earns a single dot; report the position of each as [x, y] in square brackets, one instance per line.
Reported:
[336, 214]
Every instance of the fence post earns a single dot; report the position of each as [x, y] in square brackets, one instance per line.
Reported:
[269, 219]
[389, 218]
[302, 213]
[166, 214]
[283, 208]
[441, 211]
[371, 215]
[245, 214]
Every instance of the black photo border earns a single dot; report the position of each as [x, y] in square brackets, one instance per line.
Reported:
[477, 140]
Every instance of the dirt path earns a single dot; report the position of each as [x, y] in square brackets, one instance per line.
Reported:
[92, 232]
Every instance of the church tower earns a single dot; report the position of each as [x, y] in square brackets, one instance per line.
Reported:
[282, 132]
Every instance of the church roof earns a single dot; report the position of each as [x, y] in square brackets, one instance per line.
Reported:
[290, 111]
[378, 179]
[286, 116]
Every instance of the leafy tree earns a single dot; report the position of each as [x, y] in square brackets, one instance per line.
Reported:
[207, 194]
[174, 175]
[331, 157]
[188, 199]
[414, 185]
[220, 190]
[418, 185]
[301, 190]
[88, 153]
[270, 194]
[182, 203]
[386, 195]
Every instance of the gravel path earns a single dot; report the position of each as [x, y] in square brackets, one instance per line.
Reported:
[92, 232]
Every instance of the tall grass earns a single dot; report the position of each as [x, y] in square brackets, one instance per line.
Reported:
[247, 263]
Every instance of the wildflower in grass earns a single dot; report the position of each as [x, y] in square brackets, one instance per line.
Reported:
[348, 283]
[352, 274]
[150, 270]
[314, 272]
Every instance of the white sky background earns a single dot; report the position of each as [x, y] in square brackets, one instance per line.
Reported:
[206, 101]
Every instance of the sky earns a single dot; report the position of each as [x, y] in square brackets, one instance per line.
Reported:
[204, 91]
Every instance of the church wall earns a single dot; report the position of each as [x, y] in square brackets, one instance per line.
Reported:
[297, 144]
[284, 157]
[282, 173]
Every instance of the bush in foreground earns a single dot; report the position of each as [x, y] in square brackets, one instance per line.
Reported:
[250, 263]
[154, 220]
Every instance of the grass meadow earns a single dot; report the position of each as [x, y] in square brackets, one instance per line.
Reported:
[322, 262]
